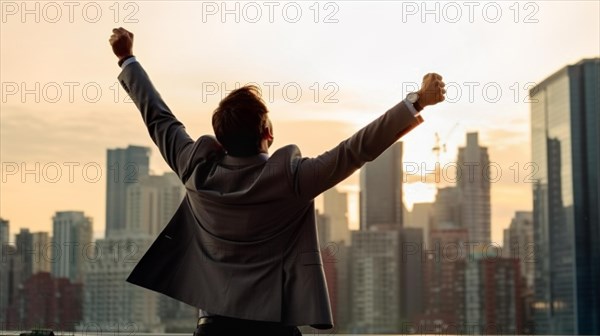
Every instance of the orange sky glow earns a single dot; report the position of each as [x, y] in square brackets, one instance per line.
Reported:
[326, 69]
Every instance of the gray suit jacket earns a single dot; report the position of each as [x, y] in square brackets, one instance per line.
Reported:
[243, 242]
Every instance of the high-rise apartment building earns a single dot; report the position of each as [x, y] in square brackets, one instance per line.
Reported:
[421, 216]
[411, 272]
[72, 236]
[381, 189]
[4, 232]
[375, 277]
[150, 203]
[518, 243]
[4, 268]
[110, 302]
[34, 251]
[336, 207]
[493, 300]
[446, 209]
[444, 264]
[473, 185]
[45, 301]
[124, 167]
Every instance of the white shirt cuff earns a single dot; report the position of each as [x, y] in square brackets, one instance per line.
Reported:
[410, 106]
[128, 61]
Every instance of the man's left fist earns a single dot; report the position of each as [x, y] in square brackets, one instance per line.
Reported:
[122, 42]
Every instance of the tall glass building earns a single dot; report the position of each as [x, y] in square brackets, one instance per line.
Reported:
[124, 167]
[565, 135]
[474, 190]
[381, 190]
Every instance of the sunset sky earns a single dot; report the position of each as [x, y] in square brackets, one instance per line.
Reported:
[359, 59]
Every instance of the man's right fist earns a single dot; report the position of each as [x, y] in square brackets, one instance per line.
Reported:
[122, 42]
[432, 90]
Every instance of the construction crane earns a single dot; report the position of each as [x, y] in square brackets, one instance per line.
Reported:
[438, 147]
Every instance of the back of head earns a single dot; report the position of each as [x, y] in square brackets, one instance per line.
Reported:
[239, 121]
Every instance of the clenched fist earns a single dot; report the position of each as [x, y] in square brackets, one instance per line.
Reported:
[432, 90]
[122, 42]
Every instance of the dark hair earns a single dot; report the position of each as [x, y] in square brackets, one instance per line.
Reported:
[240, 120]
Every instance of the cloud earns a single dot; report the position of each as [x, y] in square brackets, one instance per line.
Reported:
[71, 133]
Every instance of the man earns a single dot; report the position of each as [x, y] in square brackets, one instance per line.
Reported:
[243, 245]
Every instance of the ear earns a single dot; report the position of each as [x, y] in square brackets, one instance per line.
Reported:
[267, 138]
[268, 131]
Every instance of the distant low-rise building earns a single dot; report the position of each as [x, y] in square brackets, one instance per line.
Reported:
[47, 302]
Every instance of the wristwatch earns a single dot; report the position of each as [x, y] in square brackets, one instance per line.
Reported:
[413, 98]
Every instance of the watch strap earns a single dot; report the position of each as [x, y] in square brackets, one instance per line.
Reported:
[418, 106]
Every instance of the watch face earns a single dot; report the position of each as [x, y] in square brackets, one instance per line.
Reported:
[412, 97]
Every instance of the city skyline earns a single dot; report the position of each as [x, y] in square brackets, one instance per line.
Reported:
[139, 173]
[366, 85]
[495, 294]
[352, 191]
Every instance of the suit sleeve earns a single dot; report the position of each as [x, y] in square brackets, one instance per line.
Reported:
[313, 176]
[168, 133]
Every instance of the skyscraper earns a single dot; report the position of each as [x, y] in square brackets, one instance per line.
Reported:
[411, 281]
[446, 209]
[150, 203]
[34, 252]
[518, 243]
[336, 207]
[474, 190]
[71, 237]
[421, 217]
[381, 189]
[125, 166]
[335, 249]
[323, 229]
[565, 134]
[4, 268]
[4, 232]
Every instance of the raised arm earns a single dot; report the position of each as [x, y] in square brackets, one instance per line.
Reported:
[166, 131]
[315, 175]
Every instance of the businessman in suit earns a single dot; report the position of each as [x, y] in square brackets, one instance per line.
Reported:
[242, 246]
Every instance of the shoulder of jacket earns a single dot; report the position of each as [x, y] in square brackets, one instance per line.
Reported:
[205, 150]
[289, 150]
[290, 153]
[210, 144]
